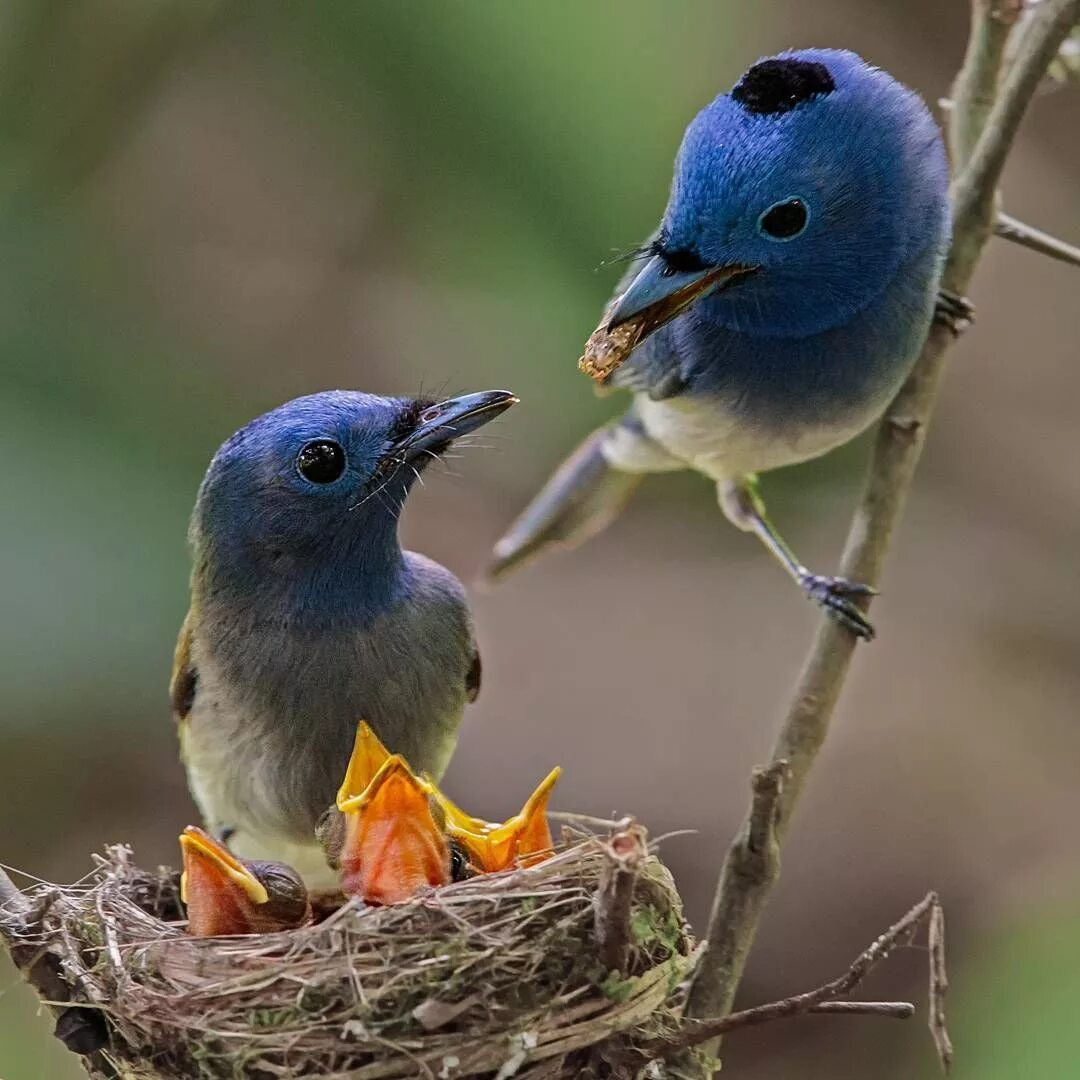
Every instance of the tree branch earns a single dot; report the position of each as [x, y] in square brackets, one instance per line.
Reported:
[975, 87]
[939, 985]
[14, 905]
[975, 187]
[1009, 228]
[826, 998]
[898, 1010]
[740, 897]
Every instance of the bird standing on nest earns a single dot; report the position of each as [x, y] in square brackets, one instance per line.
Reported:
[785, 297]
[307, 614]
[227, 896]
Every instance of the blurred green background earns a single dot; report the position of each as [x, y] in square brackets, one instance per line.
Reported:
[206, 209]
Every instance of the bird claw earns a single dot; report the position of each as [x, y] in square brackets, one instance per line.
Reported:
[953, 311]
[837, 596]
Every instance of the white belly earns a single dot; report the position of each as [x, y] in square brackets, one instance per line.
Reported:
[719, 442]
[231, 787]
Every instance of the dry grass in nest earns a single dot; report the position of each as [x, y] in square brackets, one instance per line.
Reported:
[499, 976]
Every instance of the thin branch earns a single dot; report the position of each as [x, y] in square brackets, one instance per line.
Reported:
[975, 87]
[750, 868]
[898, 1010]
[822, 999]
[625, 852]
[974, 190]
[14, 905]
[1009, 228]
[939, 985]
[704, 1030]
[740, 898]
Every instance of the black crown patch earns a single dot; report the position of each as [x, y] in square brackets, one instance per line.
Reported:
[777, 86]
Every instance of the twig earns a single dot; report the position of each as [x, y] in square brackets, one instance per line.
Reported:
[739, 898]
[975, 187]
[751, 866]
[899, 1010]
[1009, 228]
[825, 997]
[625, 852]
[939, 985]
[975, 87]
[14, 905]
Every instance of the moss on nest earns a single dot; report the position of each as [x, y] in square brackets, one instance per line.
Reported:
[497, 976]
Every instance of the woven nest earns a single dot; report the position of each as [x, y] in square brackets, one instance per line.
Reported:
[499, 976]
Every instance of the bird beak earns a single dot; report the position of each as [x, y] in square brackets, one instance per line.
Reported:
[527, 834]
[659, 293]
[440, 424]
[217, 888]
[457, 819]
[392, 847]
[368, 756]
[518, 840]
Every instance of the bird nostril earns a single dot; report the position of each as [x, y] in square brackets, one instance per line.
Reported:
[430, 414]
[682, 261]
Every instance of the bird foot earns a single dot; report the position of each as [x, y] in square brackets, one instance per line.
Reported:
[837, 596]
[954, 311]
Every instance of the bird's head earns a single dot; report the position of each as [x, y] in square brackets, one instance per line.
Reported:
[796, 197]
[225, 895]
[324, 474]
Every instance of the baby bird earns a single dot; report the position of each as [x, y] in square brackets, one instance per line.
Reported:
[489, 846]
[380, 835]
[784, 298]
[307, 614]
[390, 834]
[226, 896]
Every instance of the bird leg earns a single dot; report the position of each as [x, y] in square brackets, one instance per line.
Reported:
[954, 311]
[743, 506]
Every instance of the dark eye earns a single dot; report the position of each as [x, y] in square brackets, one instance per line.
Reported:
[321, 461]
[784, 220]
[460, 867]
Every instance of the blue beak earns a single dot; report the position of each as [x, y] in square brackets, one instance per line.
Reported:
[440, 424]
[659, 293]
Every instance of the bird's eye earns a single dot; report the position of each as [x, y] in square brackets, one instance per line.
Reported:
[321, 461]
[784, 220]
[460, 867]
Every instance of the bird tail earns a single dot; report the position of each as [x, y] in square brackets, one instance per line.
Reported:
[586, 493]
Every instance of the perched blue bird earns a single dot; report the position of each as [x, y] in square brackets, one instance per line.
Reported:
[307, 616]
[787, 292]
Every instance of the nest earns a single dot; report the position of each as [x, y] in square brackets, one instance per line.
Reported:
[559, 969]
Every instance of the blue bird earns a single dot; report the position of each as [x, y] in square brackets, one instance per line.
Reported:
[307, 616]
[787, 292]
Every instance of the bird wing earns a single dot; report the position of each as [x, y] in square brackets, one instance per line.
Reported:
[184, 679]
[472, 676]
